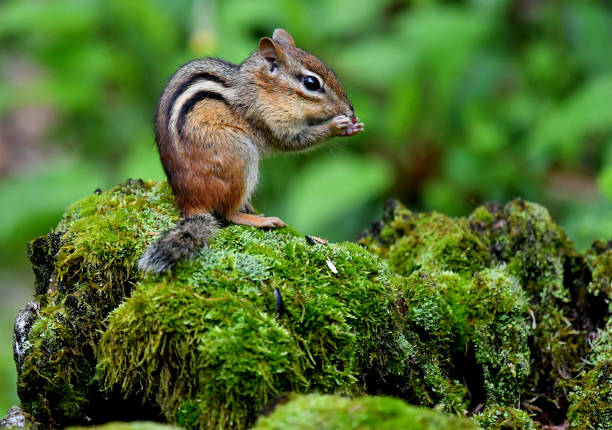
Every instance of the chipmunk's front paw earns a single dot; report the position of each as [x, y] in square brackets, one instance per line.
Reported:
[346, 126]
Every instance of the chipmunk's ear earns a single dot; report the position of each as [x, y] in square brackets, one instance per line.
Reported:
[281, 35]
[270, 51]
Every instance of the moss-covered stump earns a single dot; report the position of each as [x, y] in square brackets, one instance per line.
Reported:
[495, 315]
[322, 412]
[505, 300]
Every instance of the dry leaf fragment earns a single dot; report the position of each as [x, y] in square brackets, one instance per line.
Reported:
[315, 239]
[319, 240]
[331, 266]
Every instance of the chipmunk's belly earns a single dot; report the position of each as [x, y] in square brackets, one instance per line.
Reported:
[251, 169]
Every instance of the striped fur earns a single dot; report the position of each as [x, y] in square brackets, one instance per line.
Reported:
[189, 104]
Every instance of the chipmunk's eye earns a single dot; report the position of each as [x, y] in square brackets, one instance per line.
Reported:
[311, 83]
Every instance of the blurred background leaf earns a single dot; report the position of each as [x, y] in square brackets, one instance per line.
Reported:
[464, 102]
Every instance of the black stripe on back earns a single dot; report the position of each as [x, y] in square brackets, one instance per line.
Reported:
[190, 104]
[201, 76]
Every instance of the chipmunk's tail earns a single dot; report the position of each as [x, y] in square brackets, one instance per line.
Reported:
[184, 240]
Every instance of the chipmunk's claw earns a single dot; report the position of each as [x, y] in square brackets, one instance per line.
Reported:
[340, 123]
[353, 129]
[346, 126]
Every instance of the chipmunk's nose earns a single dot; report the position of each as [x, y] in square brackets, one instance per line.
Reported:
[345, 108]
[352, 113]
[348, 110]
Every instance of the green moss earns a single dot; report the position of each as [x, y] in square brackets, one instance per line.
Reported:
[412, 241]
[84, 269]
[564, 313]
[422, 378]
[434, 240]
[482, 319]
[364, 413]
[504, 418]
[523, 235]
[105, 233]
[465, 305]
[223, 351]
[591, 406]
[206, 339]
[497, 326]
[482, 217]
[601, 351]
[591, 399]
[53, 361]
[560, 297]
[599, 259]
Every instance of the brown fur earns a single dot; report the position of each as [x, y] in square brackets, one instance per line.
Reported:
[211, 178]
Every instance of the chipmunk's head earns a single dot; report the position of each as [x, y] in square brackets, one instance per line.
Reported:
[296, 90]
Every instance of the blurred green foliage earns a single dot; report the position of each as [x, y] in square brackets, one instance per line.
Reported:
[463, 101]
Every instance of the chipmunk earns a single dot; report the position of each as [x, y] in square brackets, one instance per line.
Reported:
[215, 120]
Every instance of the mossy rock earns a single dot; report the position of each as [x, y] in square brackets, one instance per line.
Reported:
[494, 312]
[322, 412]
[83, 270]
[528, 333]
